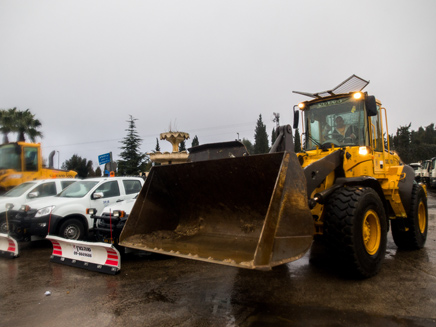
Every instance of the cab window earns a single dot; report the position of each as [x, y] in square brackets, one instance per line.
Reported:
[109, 189]
[377, 137]
[46, 189]
[31, 158]
[132, 186]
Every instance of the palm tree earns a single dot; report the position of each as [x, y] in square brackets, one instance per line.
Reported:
[27, 124]
[7, 122]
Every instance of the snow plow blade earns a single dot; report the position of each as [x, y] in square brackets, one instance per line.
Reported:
[8, 246]
[100, 257]
[248, 211]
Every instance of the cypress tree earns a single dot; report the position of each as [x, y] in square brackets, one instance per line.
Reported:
[260, 137]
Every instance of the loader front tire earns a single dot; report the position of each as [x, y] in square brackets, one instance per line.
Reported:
[355, 228]
[72, 229]
[414, 235]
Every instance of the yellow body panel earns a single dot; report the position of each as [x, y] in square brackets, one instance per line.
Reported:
[385, 167]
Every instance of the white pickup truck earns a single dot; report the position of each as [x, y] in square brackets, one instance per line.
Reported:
[65, 214]
[28, 191]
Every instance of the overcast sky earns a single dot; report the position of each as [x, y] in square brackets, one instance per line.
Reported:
[208, 68]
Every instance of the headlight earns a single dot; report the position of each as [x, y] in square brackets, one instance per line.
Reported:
[119, 213]
[44, 211]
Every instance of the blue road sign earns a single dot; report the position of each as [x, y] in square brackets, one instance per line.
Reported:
[104, 158]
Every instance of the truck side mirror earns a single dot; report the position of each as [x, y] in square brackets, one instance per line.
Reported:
[97, 195]
[33, 195]
[371, 105]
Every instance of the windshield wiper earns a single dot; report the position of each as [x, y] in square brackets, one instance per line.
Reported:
[313, 140]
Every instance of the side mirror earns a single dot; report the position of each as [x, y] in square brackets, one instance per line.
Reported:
[97, 195]
[371, 105]
[33, 195]
[296, 118]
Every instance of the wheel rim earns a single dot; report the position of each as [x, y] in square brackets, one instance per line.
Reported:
[71, 232]
[4, 228]
[371, 232]
[421, 217]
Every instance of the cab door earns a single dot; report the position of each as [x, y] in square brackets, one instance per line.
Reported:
[110, 192]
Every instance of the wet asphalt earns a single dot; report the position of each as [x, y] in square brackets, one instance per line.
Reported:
[157, 290]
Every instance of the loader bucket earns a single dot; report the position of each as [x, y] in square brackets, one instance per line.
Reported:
[250, 212]
[95, 256]
[8, 246]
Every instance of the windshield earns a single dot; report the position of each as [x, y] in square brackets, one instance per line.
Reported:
[337, 122]
[10, 157]
[19, 190]
[78, 189]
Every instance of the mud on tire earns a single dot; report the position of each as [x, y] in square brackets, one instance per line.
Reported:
[355, 229]
[416, 223]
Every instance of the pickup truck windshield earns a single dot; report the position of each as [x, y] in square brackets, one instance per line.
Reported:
[78, 189]
[338, 122]
[19, 190]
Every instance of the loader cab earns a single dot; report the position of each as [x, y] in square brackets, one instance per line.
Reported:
[337, 121]
[19, 162]
[20, 157]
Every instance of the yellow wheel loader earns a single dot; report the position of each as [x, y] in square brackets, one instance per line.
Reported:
[21, 162]
[259, 211]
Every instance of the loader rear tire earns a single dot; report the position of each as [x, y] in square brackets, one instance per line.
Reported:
[416, 223]
[355, 228]
[72, 229]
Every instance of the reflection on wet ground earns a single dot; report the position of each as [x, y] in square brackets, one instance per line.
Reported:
[157, 290]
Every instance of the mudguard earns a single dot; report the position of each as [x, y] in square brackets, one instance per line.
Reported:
[95, 256]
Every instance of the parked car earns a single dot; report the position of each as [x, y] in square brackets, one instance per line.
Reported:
[29, 191]
[418, 170]
[65, 214]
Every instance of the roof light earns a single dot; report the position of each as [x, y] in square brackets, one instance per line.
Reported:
[357, 95]
[301, 105]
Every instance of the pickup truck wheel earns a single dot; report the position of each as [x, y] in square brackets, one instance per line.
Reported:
[411, 234]
[356, 229]
[72, 229]
[3, 226]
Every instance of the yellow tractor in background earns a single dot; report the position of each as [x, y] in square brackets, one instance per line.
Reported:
[21, 162]
[345, 186]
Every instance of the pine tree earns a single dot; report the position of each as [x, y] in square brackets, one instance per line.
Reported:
[82, 166]
[195, 141]
[182, 146]
[248, 145]
[273, 136]
[260, 137]
[133, 161]
[98, 171]
[297, 141]
[157, 148]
